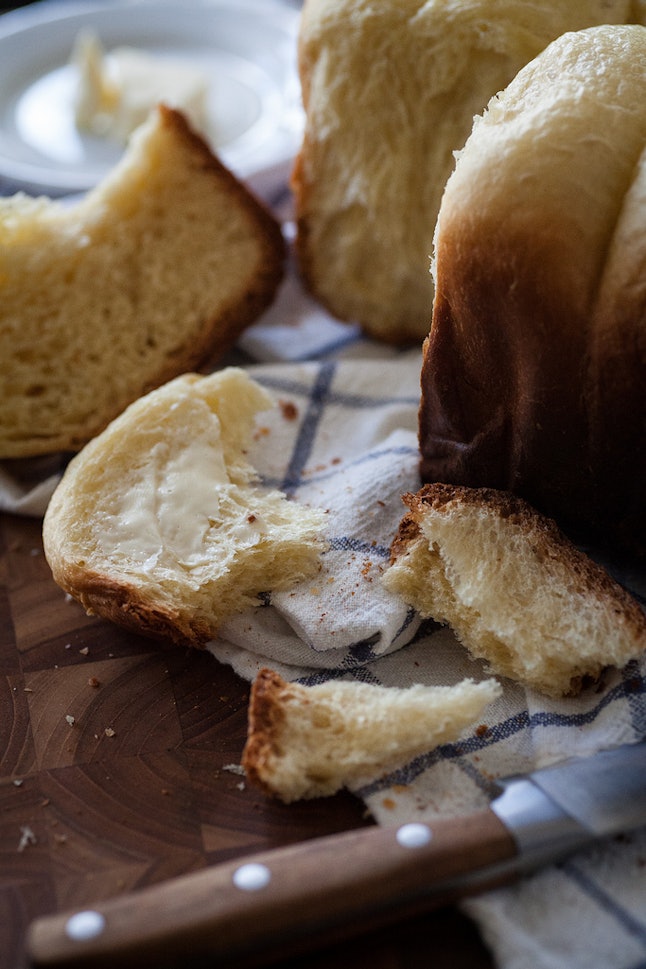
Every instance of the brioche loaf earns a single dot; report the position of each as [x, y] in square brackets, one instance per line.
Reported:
[158, 524]
[535, 367]
[390, 90]
[310, 741]
[158, 268]
[516, 592]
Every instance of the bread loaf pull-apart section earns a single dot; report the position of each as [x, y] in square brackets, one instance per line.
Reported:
[311, 741]
[516, 592]
[159, 523]
[390, 91]
[535, 367]
[153, 272]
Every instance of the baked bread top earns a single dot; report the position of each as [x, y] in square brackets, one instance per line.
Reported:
[156, 270]
[514, 589]
[390, 91]
[159, 524]
[535, 368]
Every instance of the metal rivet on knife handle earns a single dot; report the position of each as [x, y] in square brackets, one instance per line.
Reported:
[84, 925]
[414, 835]
[251, 877]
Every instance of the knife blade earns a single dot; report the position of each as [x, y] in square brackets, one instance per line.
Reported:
[284, 901]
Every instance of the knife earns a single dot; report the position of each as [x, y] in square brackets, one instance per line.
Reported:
[281, 902]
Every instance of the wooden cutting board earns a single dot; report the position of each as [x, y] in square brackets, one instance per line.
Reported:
[120, 768]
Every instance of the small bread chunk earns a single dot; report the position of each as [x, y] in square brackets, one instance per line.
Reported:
[310, 741]
[159, 524]
[514, 589]
[155, 271]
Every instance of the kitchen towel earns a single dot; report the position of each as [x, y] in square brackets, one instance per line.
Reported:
[343, 437]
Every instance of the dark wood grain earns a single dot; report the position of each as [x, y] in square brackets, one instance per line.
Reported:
[118, 772]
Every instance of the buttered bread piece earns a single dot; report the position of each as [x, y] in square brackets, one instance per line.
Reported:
[390, 90]
[159, 524]
[156, 270]
[516, 592]
[310, 741]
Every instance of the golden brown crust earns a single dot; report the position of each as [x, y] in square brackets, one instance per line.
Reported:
[407, 533]
[223, 330]
[125, 605]
[266, 717]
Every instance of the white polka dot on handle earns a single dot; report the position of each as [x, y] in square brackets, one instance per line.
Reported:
[251, 877]
[414, 835]
[84, 925]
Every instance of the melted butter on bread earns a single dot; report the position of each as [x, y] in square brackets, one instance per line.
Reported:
[160, 523]
[183, 492]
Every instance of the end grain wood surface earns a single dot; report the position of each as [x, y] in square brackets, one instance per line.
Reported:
[119, 761]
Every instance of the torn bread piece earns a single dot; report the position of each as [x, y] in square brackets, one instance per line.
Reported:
[160, 524]
[514, 589]
[311, 741]
[151, 274]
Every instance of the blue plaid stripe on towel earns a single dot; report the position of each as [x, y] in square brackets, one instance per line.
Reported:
[350, 448]
[344, 438]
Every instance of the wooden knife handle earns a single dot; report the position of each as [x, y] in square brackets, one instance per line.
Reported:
[282, 901]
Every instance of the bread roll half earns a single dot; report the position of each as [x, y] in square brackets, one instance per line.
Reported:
[535, 367]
